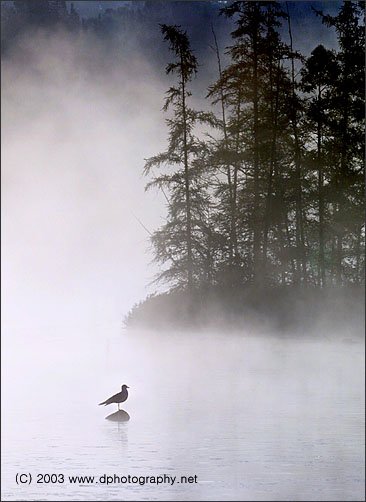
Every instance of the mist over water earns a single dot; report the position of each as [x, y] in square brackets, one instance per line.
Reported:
[254, 415]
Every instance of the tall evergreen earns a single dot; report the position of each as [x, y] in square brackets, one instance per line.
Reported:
[318, 75]
[181, 241]
[346, 143]
[243, 86]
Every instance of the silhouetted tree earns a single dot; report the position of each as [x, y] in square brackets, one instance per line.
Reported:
[183, 239]
[318, 75]
[346, 143]
[243, 91]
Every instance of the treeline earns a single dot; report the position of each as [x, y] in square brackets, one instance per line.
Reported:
[267, 187]
[134, 22]
[23, 15]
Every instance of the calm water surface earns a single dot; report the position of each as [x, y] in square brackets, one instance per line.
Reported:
[253, 417]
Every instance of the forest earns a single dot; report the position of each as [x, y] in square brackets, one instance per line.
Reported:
[274, 192]
[264, 186]
[267, 191]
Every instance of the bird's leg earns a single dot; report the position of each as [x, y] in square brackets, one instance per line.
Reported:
[118, 407]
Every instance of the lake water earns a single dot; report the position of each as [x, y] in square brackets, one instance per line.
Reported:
[254, 417]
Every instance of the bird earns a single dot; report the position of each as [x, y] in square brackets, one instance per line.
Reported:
[117, 398]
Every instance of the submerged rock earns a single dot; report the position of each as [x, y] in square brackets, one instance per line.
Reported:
[119, 416]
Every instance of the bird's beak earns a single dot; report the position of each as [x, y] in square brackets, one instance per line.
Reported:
[127, 386]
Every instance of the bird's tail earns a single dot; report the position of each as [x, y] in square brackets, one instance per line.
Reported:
[104, 402]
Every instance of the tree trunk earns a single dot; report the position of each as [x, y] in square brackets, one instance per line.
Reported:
[339, 252]
[342, 175]
[187, 185]
[300, 260]
[358, 255]
[272, 167]
[233, 243]
[235, 187]
[321, 265]
[256, 232]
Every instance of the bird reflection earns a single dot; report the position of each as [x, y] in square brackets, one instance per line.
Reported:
[116, 429]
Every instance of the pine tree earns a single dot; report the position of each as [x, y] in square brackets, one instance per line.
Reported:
[242, 88]
[318, 74]
[184, 239]
[345, 147]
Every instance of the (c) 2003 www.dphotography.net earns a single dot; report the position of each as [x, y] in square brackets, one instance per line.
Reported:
[26, 478]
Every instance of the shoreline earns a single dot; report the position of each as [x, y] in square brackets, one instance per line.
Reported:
[282, 309]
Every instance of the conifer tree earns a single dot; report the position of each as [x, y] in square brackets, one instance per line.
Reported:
[183, 240]
[345, 147]
[318, 75]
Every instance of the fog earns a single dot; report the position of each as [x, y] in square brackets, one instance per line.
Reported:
[254, 418]
[254, 415]
[79, 116]
[77, 124]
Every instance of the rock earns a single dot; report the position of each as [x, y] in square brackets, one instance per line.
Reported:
[119, 416]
